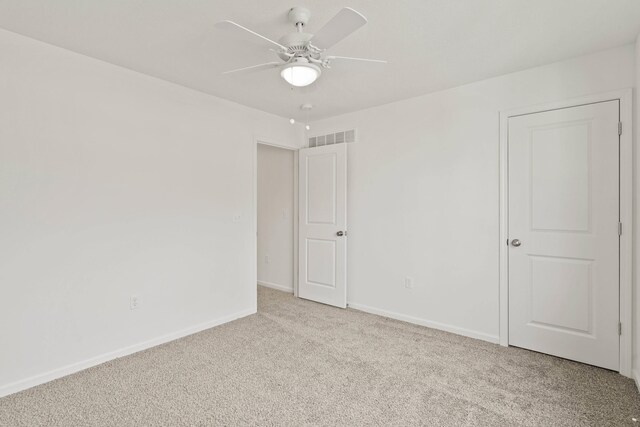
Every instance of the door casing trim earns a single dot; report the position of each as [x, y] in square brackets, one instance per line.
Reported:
[625, 96]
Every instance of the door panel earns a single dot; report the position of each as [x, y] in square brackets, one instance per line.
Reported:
[560, 177]
[321, 188]
[564, 209]
[321, 261]
[561, 290]
[323, 214]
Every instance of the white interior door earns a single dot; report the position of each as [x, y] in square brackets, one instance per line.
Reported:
[323, 224]
[564, 233]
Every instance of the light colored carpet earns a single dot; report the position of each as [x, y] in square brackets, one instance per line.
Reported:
[300, 363]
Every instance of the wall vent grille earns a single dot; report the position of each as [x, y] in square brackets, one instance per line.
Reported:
[341, 137]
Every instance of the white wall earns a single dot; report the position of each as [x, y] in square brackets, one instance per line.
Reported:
[423, 191]
[113, 183]
[275, 217]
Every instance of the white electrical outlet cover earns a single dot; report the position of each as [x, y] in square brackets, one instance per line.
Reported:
[408, 282]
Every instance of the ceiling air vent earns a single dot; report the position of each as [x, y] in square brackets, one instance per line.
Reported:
[333, 138]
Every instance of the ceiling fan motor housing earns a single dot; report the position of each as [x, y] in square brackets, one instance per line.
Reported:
[297, 44]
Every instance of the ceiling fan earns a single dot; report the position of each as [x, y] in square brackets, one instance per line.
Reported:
[303, 55]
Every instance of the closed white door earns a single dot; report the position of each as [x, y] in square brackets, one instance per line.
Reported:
[564, 233]
[323, 224]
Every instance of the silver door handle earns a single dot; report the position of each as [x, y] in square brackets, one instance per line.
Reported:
[340, 233]
[516, 242]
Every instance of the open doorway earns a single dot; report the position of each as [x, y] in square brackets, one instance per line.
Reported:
[276, 217]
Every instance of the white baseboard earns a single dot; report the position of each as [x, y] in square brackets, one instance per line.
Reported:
[636, 377]
[88, 363]
[275, 286]
[428, 323]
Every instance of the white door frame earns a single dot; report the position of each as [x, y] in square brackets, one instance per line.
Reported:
[266, 141]
[625, 97]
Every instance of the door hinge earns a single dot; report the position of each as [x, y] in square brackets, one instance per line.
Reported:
[619, 229]
[619, 128]
[619, 328]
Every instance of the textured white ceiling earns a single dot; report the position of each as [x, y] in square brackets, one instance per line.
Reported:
[430, 44]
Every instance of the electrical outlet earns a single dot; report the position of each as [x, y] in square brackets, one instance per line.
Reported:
[408, 282]
[237, 218]
[266, 259]
[134, 302]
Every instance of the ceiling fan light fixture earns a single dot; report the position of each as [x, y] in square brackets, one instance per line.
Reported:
[300, 72]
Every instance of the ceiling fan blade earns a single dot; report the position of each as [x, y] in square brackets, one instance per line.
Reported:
[381, 61]
[258, 67]
[339, 27]
[230, 25]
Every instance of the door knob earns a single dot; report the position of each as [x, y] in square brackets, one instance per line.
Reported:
[340, 233]
[516, 242]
